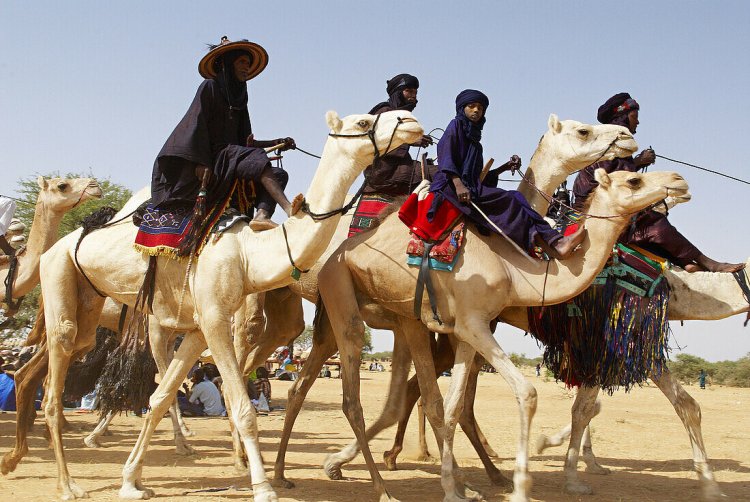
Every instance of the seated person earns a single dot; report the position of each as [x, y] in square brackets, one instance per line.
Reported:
[215, 136]
[652, 230]
[460, 164]
[204, 399]
[7, 210]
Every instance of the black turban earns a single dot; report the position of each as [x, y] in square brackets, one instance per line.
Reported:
[616, 109]
[394, 87]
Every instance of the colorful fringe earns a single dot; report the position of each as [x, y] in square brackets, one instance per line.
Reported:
[607, 336]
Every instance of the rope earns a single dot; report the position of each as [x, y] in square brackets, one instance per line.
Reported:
[307, 153]
[702, 169]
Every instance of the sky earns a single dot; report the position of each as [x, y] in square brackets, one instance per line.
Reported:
[98, 86]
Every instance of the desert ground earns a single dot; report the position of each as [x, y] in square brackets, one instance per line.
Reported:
[637, 435]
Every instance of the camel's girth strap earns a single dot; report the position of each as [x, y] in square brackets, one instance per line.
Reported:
[741, 277]
[425, 281]
[9, 280]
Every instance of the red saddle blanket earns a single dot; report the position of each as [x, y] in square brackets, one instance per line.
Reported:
[414, 215]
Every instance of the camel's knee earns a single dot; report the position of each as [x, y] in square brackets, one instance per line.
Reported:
[244, 420]
[687, 407]
[63, 334]
[527, 397]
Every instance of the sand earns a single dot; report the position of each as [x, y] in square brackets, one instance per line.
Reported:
[637, 435]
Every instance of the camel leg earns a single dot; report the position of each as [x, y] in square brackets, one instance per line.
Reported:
[689, 412]
[92, 440]
[324, 346]
[454, 402]
[162, 348]
[391, 411]
[28, 379]
[159, 402]
[581, 414]
[216, 327]
[424, 452]
[469, 425]
[476, 332]
[67, 335]
[341, 310]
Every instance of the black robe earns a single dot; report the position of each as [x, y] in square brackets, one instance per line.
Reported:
[211, 135]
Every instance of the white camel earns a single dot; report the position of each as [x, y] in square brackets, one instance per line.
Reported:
[201, 299]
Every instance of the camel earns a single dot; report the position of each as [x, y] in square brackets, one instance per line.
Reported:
[567, 147]
[189, 298]
[467, 303]
[56, 197]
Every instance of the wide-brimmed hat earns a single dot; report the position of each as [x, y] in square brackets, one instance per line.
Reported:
[258, 57]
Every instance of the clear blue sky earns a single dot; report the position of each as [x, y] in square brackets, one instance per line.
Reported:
[99, 85]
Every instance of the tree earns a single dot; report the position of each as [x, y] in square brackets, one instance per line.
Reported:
[113, 195]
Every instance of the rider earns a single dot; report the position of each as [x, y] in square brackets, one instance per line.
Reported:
[7, 210]
[216, 135]
[394, 173]
[458, 181]
[652, 229]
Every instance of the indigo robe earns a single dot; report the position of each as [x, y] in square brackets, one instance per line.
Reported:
[212, 135]
[508, 209]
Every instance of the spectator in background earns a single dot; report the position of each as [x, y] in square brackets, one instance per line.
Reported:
[7, 390]
[204, 397]
[702, 379]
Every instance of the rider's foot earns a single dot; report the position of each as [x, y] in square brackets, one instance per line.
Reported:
[715, 266]
[262, 221]
[564, 247]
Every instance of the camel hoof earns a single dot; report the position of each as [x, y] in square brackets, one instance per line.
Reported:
[332, 469]
[185, 450]
[387, 498]
[73, 492]
[473, 495]
[389, 459]
[578, 488]
[263, 492]
[597, 469]
[91, 442]
[187, 432]
[133, 493]
[282, 483]
[497, 479]
[425, 457]
[541, 444]
[7, 466]
[712, 492]
[519, 497]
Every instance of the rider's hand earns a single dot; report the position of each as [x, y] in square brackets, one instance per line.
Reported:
[287, 144]
[424, 142]
[464, 196]
[514, 164]
[645, 158]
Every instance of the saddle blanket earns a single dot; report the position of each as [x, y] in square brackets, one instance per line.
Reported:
[444, 255]
[161, 231]
[414, 215]
[368, 209]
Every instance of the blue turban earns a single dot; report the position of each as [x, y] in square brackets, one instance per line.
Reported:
[473, 131]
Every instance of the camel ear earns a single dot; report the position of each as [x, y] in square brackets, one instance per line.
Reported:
[602, 178]
[554, 124]
[41, 182]
[333, 121]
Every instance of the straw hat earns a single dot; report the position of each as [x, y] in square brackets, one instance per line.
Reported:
[258, 55]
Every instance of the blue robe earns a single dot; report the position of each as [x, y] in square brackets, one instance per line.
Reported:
[508, 209]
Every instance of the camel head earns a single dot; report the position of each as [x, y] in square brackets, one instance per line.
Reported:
[578, 145]
[357, 135]
[63, 194]
[623, 193]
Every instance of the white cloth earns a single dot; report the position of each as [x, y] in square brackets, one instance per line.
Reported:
[209, 396]
[7, 210]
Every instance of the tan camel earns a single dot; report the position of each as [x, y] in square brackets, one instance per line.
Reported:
[567, 147]
[56, 197]
[201, 299]
[468, 302]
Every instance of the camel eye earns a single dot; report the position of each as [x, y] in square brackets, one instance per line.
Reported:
[634, 182]
[62, 187]
[363, 124]
[583, 132]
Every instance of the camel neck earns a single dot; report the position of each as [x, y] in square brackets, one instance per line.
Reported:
[43, 234]
[704, 296]
[306, 239]
[546, 172]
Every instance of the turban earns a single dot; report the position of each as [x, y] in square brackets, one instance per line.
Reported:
[400, 82]
[616, 106]
[470, 96]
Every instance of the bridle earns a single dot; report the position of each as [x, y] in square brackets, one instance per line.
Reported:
[370, 133]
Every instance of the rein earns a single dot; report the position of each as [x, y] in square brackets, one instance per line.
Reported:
[9, 280]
